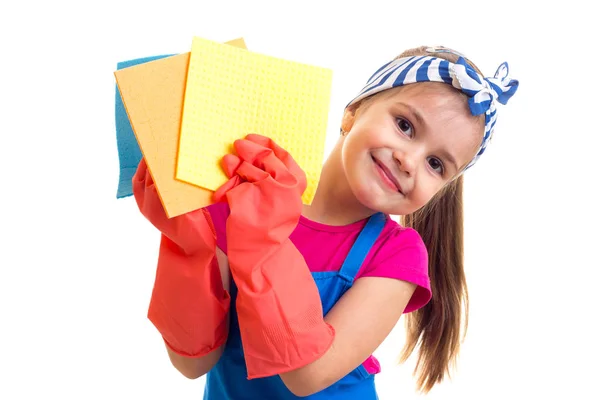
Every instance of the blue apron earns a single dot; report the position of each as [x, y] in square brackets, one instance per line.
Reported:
[227, 380]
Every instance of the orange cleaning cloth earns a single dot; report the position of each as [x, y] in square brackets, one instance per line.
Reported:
[153, 96]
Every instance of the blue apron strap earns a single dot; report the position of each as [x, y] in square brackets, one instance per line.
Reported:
[362, 246]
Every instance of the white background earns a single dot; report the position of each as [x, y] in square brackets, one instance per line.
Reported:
[77, 265]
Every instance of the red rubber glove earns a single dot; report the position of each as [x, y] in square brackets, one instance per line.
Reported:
[278, 304]
[189, 305]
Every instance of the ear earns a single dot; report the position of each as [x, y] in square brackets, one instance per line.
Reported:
[348, 118]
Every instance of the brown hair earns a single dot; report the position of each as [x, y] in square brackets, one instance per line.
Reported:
[436, 327]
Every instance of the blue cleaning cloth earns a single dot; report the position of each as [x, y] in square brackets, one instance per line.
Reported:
[127, 145]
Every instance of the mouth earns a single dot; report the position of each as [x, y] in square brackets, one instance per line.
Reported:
[387, 176]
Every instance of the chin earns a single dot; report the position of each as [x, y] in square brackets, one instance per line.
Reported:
[395, 210]
[372, 197]
[376, 199]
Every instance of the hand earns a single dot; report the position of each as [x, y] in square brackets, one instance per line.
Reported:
[278, 304]
[265, 186]
[192, 232]
[188, 306]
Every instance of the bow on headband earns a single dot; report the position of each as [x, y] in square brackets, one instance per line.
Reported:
[483, 93]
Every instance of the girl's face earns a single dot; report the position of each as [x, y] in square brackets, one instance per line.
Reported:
[403, 146]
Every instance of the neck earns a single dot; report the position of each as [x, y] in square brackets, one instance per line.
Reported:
[334, 203]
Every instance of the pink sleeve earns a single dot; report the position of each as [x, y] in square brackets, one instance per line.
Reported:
[403, 256]
[219, 213]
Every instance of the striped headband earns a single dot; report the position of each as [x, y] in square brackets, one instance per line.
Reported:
[483, 93]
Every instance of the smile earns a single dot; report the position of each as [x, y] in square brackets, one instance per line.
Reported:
[386, 176]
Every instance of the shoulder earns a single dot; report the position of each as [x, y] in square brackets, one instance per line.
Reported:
[398, 241]
[400, 253]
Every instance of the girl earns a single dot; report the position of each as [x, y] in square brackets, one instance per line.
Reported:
[316, 289]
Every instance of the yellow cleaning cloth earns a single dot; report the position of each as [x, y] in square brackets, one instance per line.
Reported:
[152, 94]
[231, 92]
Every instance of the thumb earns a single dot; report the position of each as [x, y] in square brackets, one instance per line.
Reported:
[220, 194]
[230, 163]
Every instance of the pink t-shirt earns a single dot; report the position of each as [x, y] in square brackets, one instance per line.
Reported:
[398, 253]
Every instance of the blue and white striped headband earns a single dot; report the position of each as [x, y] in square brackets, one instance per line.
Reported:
[483, 93]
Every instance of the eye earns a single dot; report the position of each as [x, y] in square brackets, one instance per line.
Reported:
[437, 165]
[404, 126]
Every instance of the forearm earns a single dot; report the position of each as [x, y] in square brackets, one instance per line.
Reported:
[279, 311]
[189, 305]
[362, 319]
[194, 367]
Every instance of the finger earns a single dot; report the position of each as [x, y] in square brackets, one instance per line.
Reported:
[142, 185]
[263, 159]
[249, 151]
[220, 194]
[251, 173]
[148, 180]
[268, 143]
[230, 164]
[281, 166]
[259, 139]
[290, 164]
[140, 172]
[279, 151]
[274, 167]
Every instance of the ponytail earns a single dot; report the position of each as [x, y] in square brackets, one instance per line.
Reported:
[436, 328]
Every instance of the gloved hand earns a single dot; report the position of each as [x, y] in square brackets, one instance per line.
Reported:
[278, 304]
[189, 305]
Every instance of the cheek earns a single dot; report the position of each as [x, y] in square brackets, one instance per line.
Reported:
[355, 166]
[351, 152]
[424, 193]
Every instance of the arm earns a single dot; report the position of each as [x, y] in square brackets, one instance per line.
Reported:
[362, 319]
[195, 367]
[189, 305]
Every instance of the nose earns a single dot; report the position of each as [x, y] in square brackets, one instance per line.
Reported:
[406, 161]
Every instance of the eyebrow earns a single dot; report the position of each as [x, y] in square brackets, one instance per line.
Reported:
[450, 158]
[415, 113]
[421, 121]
